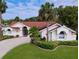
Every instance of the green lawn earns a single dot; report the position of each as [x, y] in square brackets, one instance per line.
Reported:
[29, 51]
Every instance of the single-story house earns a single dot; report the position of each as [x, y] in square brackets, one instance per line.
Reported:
[55, 31]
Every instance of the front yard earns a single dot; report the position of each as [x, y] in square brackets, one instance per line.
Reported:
[29, 51]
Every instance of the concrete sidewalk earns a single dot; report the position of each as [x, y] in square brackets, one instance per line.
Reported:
[7, 45]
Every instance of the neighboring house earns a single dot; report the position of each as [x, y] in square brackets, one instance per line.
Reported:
[55, 30]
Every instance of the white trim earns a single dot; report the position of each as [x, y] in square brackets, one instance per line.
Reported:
[69, 28]
[66, 27]
[51, 25]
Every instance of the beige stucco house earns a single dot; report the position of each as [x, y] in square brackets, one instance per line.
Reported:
[55, 30]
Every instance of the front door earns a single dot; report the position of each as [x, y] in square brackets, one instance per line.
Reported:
[25, 31]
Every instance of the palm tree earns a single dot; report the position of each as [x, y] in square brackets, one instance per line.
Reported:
[2, 10]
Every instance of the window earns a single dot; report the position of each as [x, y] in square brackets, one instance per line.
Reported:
[62, 35]
[9, 31]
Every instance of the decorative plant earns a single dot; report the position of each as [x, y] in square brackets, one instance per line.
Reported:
[34, 33]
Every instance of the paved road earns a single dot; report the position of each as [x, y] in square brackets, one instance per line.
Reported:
[9, 44]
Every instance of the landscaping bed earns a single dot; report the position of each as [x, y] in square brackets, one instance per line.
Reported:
[54, 44]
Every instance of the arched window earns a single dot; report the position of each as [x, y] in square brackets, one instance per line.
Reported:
[62, 35]
[9, 30]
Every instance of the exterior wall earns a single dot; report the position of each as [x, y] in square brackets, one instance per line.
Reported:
[69, 35]
[43, 32]
[11, 33]
[53, 32]
[14, 32]
[53, 35]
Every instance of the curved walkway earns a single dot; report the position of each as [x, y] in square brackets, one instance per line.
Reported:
[7, 45]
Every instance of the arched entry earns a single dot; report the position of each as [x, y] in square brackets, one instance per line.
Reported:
[62, 35]
[25, 31]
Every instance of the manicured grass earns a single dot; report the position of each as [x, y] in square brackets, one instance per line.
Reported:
[29, 51]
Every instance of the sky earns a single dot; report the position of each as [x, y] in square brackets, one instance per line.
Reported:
[29, 8]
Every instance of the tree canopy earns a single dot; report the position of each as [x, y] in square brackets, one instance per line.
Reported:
[17, 19]
[47, 12]
[68, 16]
[3, 6]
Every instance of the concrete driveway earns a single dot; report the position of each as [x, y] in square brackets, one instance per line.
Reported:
[7, 45]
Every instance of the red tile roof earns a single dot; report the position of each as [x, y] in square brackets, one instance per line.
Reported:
[15, 27]
[12, 23]
[35, 24]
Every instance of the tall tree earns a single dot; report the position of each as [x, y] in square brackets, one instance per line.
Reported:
[47, 11]
[17, 19]
[6, 22]
[3, 7]
[33, 19]
[69, 16]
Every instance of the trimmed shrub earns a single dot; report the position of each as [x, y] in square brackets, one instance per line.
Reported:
[1, 37]
[70, 43]
[6, 37]
[74, 43]
[46, 45]
[53, 44]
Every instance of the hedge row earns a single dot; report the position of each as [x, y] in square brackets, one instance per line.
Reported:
[5, 37]
[52, 45]
[70, 43]
[46, 45]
